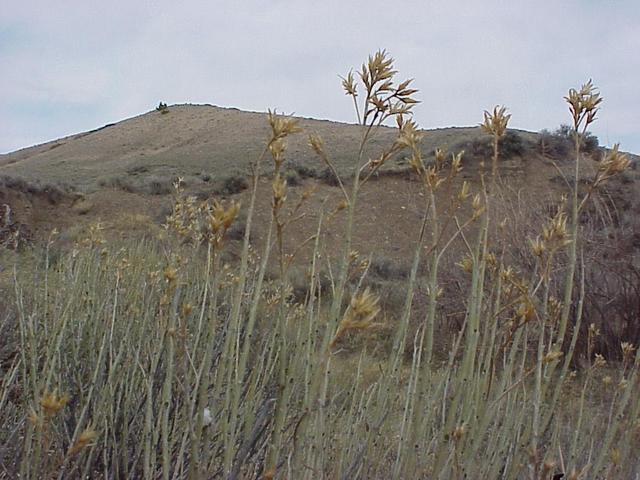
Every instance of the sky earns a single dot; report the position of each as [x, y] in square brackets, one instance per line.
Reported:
[71, 66]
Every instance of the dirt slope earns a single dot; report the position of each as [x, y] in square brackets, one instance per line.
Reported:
[190, 139]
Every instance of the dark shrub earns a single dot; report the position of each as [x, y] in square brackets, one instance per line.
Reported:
[292, 178]
[54, 193]
[237, 229]
[387, 269]
[556, 145]
[590, 143]
[137, 170]
[514, 145]
[481, 148]
[560, 144]
[626, 178]
[162, 108]
[303, 170]
[327, 176]
[477, 149]
[163, 212]
[234, 184]
[160, 187]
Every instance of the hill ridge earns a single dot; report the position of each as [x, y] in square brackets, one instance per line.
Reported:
[195, 139]
[192, 138]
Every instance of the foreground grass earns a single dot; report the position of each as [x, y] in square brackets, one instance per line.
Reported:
[163, 360]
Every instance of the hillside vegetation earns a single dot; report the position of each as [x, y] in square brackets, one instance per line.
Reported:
[386, 309]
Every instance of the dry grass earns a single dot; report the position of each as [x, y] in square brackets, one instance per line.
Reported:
[165, 358]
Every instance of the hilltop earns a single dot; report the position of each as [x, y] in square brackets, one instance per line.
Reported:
[192, 140]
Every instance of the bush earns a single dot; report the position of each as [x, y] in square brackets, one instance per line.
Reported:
[590, 143]
[560, 145]
[387, 269]
[53, 193]
[513, 144]
[292, 178]
[119, 183]
[137, 170]
[303, 170]
[326, 176]
[160, 186]
[162, 108]
[234, 184]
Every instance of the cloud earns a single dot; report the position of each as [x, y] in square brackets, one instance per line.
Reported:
[89, 63]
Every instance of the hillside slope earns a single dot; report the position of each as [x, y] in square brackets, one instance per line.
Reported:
[121, 175]
[189, 140]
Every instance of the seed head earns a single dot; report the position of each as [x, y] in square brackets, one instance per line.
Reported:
[51, 403]
[379, 68]
[583, 104]
[359, 316]
[466, 264]
[555, 234]
[477, 206]
[349, 85]
[615, 456]
[316, 143]
[627, 351]
[552, 357]
[277, 148]
[224, 217]
[507, 275]
[491, 260]
[279, 186]
[282, 126]
[464, 191]
[170, 275]
[599, 361]
[495, 123]
[440, 155]
[537, 246]
[432, 178]
[187, 308]
[409, 135]
[365, 305]
[526, 311]
[613, 163]
[458, 433]
[456, 163]
[84, 440]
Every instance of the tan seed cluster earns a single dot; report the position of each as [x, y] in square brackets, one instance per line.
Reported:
[359, 316]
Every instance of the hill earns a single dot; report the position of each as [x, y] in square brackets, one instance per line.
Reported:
[191, 140]
[70, 181]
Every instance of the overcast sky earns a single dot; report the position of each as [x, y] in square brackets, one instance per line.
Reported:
[72, 66]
